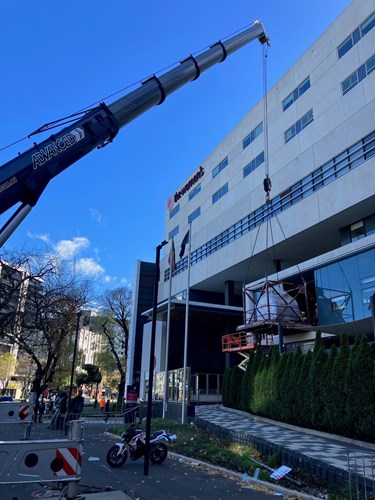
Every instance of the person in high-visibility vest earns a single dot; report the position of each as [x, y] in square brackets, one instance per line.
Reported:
[102, 404]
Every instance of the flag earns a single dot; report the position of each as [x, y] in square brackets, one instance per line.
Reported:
[172, 257]
[184, 242]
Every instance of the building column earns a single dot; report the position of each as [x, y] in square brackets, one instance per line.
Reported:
[229, 301]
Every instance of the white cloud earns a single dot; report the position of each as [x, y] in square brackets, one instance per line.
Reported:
[96, 216]
[71, 251]
[89, 267]
[43, 237]
[69, 248]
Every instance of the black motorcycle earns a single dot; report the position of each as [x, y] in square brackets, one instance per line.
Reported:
[134, 444]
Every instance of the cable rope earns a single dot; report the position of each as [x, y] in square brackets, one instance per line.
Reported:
[267, 181]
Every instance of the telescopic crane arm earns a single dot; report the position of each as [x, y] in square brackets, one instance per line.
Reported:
[24, 178]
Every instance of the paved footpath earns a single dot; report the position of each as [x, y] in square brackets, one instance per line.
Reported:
[327, 448]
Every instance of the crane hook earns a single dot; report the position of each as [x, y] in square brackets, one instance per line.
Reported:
[267, 185]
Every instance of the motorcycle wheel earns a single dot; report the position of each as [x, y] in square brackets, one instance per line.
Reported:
[114, 459]
[158, 453]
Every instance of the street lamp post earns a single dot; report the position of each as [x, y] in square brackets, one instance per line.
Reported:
[152, 355]
[74, 359]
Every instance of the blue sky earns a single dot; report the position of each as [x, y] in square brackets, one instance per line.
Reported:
[108, 210]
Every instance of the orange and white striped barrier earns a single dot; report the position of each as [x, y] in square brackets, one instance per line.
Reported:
[13, 412]
[44, 460]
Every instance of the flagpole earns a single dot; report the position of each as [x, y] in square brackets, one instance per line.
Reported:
[165, 402]
[186, 333]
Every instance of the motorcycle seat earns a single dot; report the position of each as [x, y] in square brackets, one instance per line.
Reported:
[156, 434]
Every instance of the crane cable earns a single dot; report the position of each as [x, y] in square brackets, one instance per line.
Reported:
[267, 181]
[267, 184]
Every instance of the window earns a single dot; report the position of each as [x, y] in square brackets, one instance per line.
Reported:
[174, 211]
[250, 167]
[252, 136]
[357, 34]
[216, 171]
[358, 75]
[357, 231]
[369, 145]
[299, 125]
[220, 193]
[349, 83]
[297, 92]
[194, 214]
[368, 290]
[368, 24]
[370, 64]
[195, 191]
[173, 232]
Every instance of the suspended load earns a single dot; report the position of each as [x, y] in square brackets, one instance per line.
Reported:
[274, 304]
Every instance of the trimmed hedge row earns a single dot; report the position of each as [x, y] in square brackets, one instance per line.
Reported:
[332, 392]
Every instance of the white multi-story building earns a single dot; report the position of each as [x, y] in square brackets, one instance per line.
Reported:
[319, 226]
[90, 342]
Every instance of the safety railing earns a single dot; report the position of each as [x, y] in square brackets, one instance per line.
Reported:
[361, 469]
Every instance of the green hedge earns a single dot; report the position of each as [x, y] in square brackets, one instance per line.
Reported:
[331, 392]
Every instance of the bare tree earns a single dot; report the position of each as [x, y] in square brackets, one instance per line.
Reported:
[41, 313]
[114, 321]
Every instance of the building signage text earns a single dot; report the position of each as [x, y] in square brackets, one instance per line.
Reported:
[189, 184]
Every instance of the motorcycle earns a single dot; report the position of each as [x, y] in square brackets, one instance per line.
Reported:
[134, 444]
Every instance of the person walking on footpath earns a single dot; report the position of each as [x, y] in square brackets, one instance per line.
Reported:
[76, 406]
[56, 422]
[106, 409]
[102, 404]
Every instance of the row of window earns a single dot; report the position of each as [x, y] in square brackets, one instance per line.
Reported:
[358, 230]
[173, 232]
[297, 92]
[174, 211]
[358, 75]
[252, 136]
[298, 126]
[195, 191]
[323, 175]
[194, 214]
[216, 171]
[220, 193]
[255, 163]
[356, 35]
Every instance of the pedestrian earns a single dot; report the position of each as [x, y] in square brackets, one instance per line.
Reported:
[39, 409]
[102, 404]
[95, 404]
[106, 409]
[76, 406]
[58, 416]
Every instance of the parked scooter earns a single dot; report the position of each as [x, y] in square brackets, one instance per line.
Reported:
[134, 443]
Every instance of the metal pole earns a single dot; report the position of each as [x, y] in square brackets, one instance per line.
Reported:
[281, 337]
[186, 333]
[74, 360]
[166, 384]
[152, 355]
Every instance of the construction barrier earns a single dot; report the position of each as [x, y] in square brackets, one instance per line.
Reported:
[44, 460]
[12, 412]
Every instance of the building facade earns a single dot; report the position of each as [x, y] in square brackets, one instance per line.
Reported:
[317, 146]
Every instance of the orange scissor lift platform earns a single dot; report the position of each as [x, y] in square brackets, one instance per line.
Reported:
[274, 308]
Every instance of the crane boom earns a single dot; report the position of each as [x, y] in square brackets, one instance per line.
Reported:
[23, 179]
